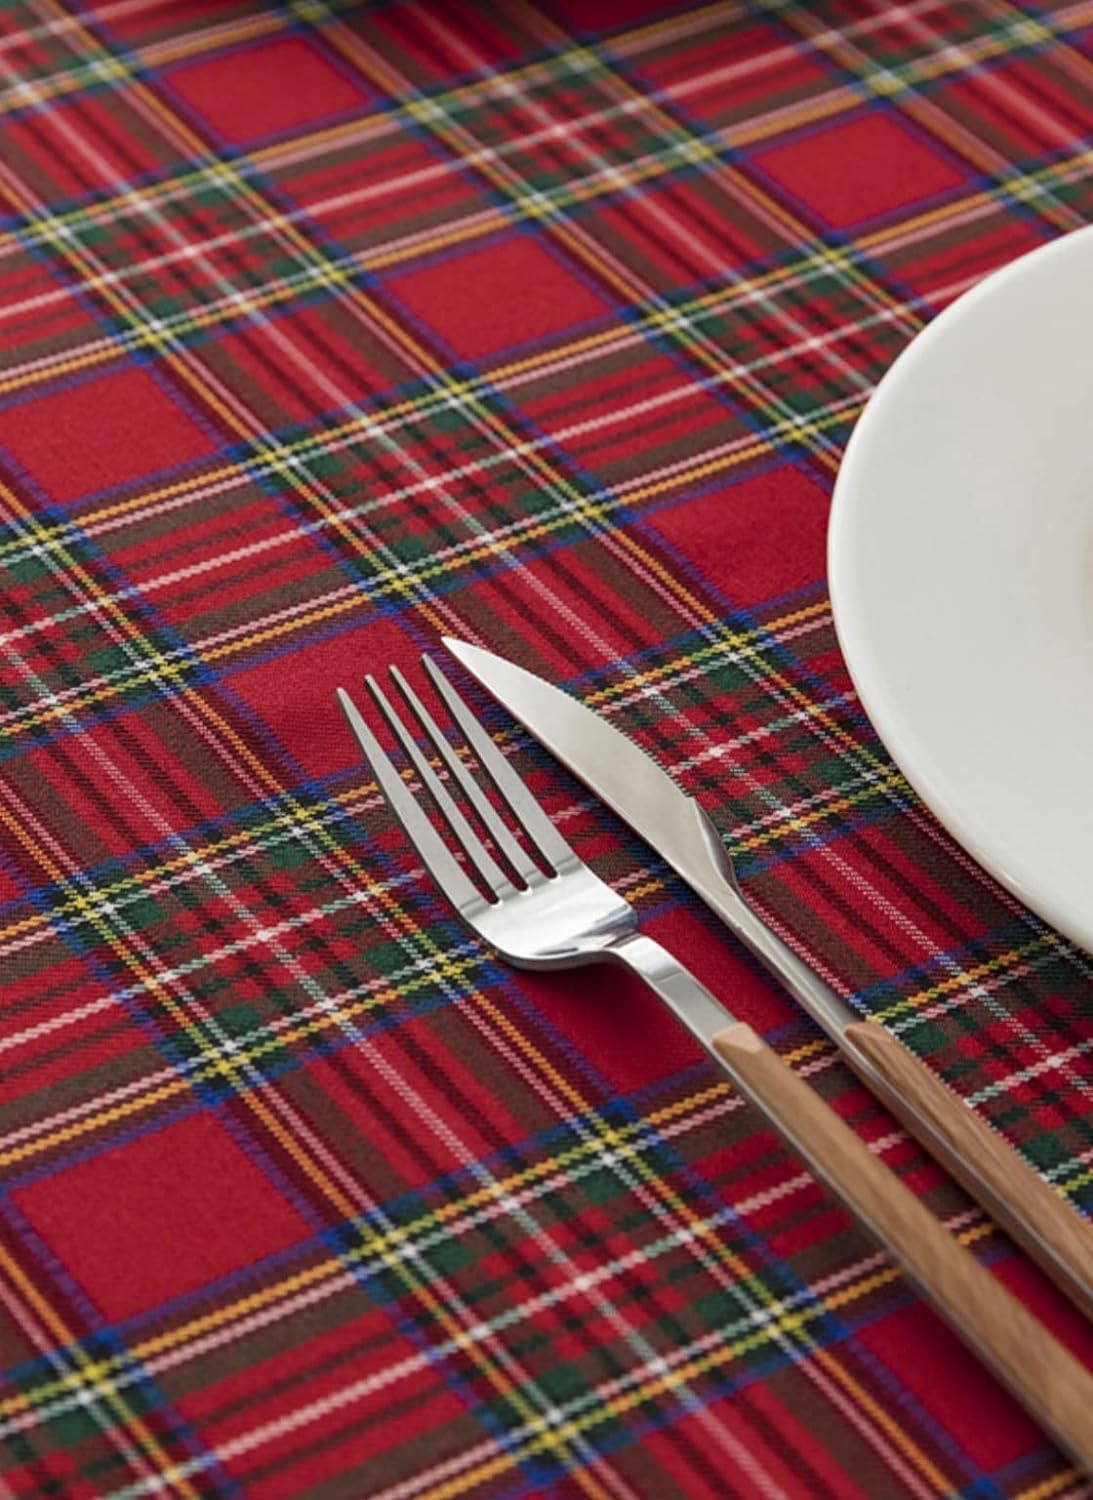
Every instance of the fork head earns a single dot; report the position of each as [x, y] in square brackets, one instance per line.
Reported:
[539, 913]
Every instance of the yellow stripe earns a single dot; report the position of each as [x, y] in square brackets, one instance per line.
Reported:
[1048, 1487]
[110, 1397]
[966, 977]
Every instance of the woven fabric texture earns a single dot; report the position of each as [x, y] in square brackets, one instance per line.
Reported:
[327, 329]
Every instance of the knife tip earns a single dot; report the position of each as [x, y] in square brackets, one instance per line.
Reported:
[456, 646]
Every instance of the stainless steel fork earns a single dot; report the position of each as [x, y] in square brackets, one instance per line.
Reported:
[552, 911]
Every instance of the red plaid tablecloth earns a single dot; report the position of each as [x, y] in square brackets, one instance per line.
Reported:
[328, 328]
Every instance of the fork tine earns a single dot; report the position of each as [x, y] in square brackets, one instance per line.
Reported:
[469, 841]
[534, 820]
[516, 855]
[437, 858]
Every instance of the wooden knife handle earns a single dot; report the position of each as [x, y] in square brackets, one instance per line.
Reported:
[976, 1155]
[1041, 1373]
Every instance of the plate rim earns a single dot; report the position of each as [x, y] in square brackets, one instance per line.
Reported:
[912, 762]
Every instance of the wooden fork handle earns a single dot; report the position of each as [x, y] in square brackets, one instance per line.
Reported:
[1041, 1221]
[1046, 1227]
[1045, 1376]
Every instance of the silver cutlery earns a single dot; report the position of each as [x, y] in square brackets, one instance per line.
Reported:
[634, 786]
[546, 909]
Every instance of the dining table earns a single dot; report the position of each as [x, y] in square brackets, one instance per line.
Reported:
[329, 329]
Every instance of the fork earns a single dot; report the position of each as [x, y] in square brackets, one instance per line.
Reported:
[553, 912]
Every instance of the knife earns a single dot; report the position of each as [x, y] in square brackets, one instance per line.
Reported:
[621, 774]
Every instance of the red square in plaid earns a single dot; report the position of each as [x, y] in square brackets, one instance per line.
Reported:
[178, 1208]
[497, 297]
[585, 1010]
[317, 671]
[932, 1362]
[265, 90]
[123, 426]
[859, 170]
[757, 562]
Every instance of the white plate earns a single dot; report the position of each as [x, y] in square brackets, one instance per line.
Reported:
[960, 555]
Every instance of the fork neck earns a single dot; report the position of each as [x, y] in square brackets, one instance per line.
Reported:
[691, 1001]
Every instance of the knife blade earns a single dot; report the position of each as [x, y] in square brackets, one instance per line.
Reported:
[644, 796]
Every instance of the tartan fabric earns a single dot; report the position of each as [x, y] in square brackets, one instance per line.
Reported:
[326, 329]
